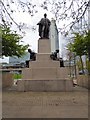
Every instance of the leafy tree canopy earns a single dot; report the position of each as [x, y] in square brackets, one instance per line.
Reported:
[81, 43]
[78, 45]
[87, 40]
[11, 42]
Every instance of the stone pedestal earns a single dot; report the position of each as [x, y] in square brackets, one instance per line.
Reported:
[44, 46]
[44, 74]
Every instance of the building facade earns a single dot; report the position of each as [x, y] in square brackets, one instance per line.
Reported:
[54, 37]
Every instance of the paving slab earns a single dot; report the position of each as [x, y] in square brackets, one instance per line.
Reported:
[45, 104]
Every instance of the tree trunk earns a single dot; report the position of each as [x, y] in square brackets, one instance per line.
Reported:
[81, 64]
[89, 55]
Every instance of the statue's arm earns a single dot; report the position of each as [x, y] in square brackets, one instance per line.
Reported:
[38, 23]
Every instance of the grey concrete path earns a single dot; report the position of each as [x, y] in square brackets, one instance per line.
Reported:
[45, 104]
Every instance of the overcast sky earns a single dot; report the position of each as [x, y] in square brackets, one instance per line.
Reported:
[32, 37]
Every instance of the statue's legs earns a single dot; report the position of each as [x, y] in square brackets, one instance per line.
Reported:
[46, 32]
[42, 33]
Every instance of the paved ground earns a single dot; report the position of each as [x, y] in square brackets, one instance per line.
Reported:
[45, 104]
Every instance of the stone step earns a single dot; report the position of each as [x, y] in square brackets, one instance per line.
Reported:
[44, 73]
[34, 64]
[43, 57]
[45, 85]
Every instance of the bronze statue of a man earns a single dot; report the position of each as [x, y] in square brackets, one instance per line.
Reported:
[44, 26]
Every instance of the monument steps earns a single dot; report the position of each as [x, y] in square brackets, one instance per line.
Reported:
[44, 74]
[45, 85]
[39, 64]
[43, 57]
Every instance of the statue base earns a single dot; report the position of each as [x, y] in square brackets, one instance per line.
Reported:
[44, 74]
[53, 85]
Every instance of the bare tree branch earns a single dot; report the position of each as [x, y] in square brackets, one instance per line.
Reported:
[9, 14]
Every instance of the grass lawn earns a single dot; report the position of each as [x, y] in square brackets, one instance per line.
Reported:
[17, 76]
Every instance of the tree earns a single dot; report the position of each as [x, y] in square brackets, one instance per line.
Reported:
[72, 11]
[87, 48]
[11, 42]
[10, 7]
[78, 46]
[87, 43]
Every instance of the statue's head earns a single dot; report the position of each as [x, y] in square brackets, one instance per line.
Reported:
[57, 50]
[45, 15]
[29, 50]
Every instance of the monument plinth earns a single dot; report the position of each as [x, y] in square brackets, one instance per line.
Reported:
[44, 46]
[44, 74]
